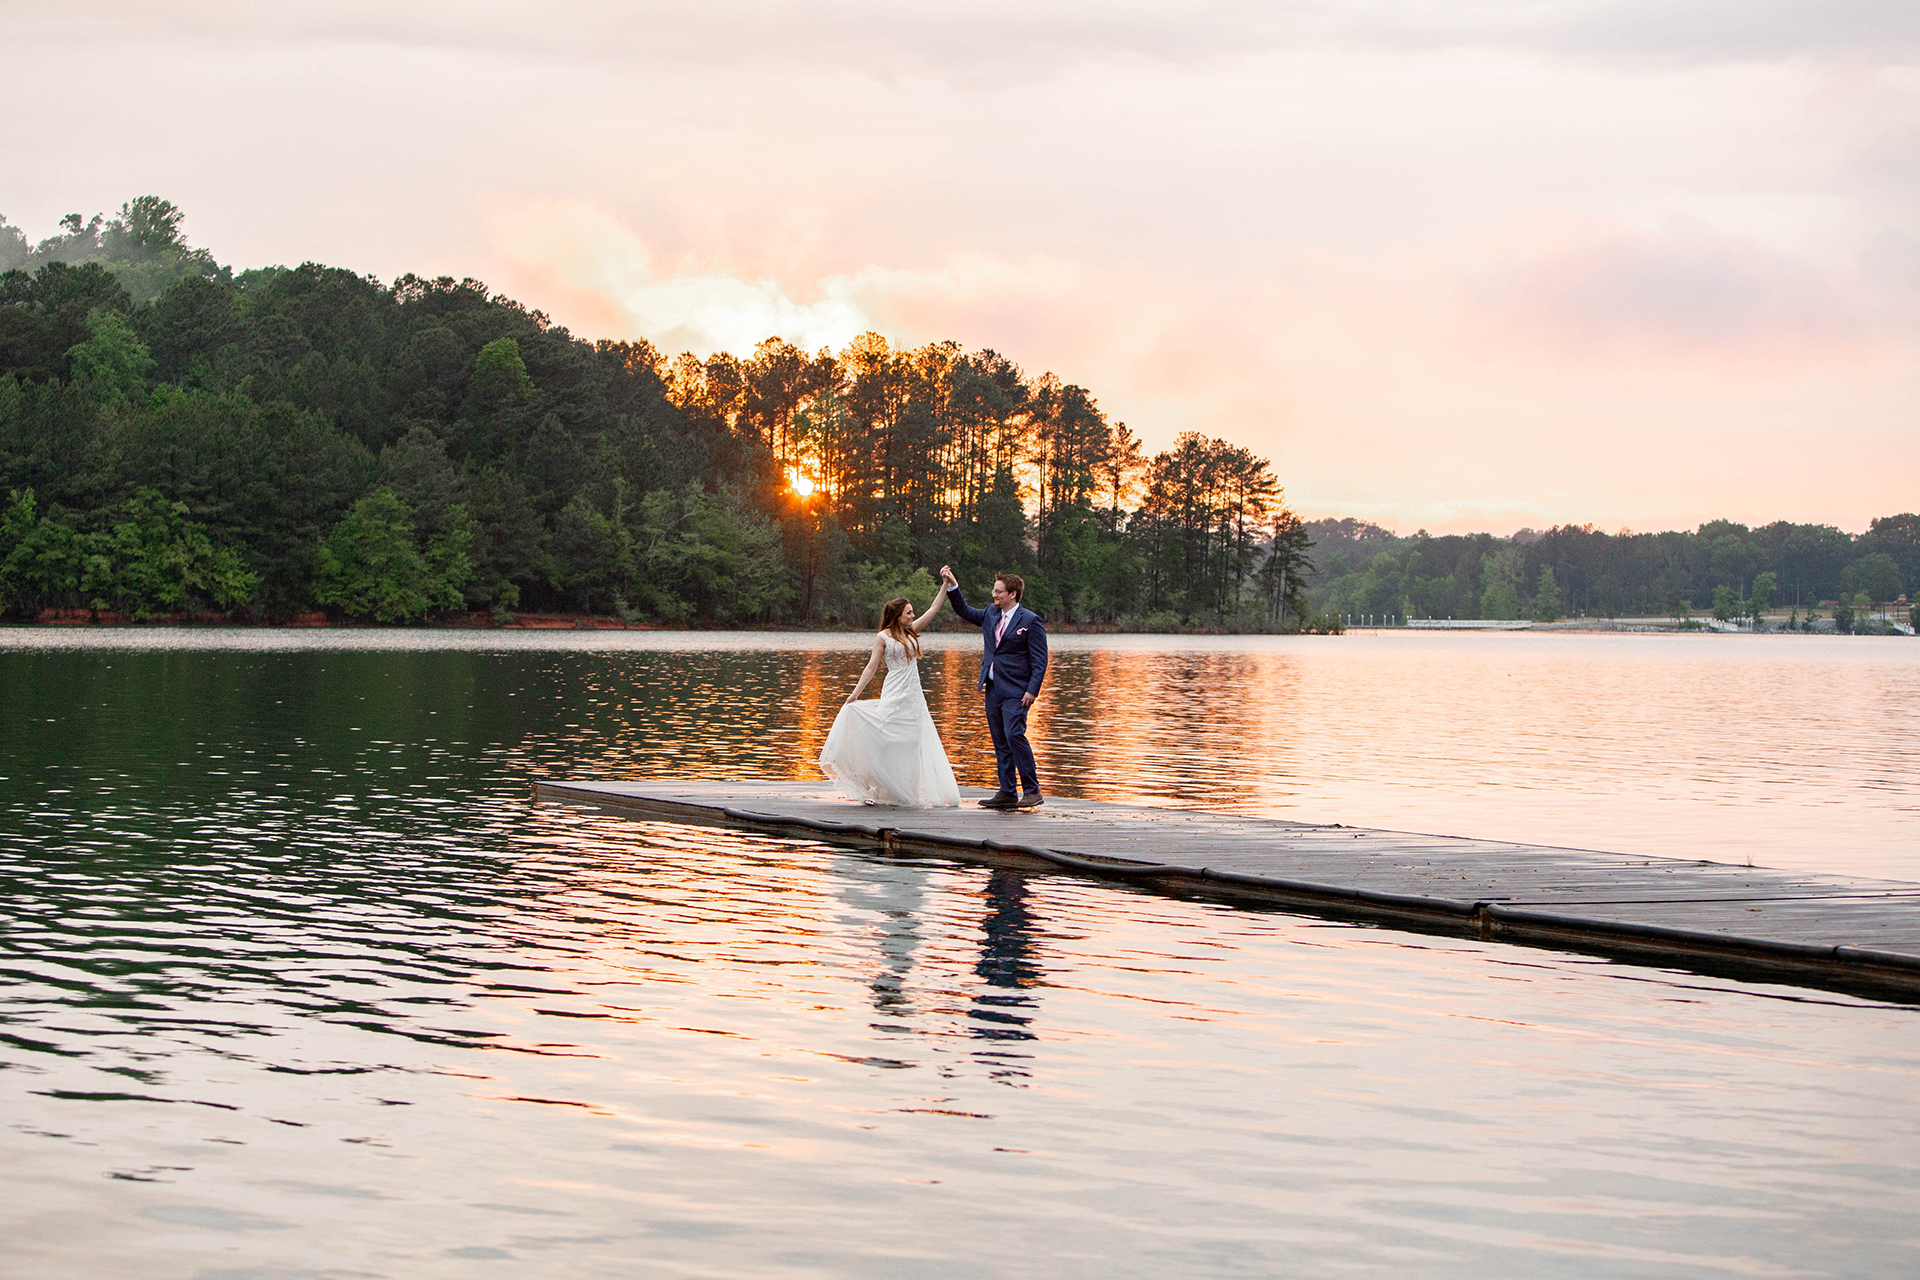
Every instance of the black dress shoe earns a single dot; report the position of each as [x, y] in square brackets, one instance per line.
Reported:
[1000, 800]
[1029, 800]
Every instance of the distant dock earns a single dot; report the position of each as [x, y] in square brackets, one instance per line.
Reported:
[1466, 624]
[1749, 921]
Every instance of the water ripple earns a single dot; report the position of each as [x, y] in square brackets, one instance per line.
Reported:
[297, 980]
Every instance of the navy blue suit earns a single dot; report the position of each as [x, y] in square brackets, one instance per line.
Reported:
[1011, 666]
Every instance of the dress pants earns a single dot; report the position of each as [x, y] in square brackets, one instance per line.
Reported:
[1007, 722]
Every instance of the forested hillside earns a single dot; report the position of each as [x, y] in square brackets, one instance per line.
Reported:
[179, 438]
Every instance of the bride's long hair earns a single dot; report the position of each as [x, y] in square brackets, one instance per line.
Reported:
[893, 621]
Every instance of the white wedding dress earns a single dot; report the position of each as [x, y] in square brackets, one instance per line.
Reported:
[885, 750]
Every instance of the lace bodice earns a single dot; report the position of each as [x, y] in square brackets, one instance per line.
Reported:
[897, 655]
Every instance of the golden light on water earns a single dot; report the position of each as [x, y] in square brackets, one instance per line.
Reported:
[800, 482]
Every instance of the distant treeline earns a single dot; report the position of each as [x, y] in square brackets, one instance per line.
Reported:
[1722, 567]
[177, 438]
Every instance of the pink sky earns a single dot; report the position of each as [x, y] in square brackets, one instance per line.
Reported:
[1460, 266]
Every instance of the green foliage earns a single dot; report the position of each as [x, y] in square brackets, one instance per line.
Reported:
[145, 228]
[165, 563]
[1546, 597]
[1500, 584]
[1878, 575]
[870, 586]
[40, 560]
[499, 372]
[371, 566]
[43, 317]
[142, 248]
[151, 561]
[997, 540]
[593, 556]
[1600, 574]
[449, 567]
[1283, 576]
[113, 364]
[1206, 506]
[15, 252]
[1724, 603]
[145, 281]
[710, 555]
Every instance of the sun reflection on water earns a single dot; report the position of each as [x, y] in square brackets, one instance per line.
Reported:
[1609, 743]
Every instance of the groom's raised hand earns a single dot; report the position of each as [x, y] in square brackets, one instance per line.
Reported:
[946, 576]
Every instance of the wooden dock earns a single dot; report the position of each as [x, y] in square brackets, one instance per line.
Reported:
[1752, 921]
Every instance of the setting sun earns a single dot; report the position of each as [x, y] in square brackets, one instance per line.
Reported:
[800, 482]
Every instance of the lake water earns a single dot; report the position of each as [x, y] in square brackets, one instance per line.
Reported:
[299, 983]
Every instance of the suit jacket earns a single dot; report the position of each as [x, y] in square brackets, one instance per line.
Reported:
[1018, 662]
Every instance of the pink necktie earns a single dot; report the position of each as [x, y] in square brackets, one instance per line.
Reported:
[1002, 629]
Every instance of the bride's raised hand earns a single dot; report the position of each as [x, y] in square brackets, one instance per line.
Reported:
[919, 624]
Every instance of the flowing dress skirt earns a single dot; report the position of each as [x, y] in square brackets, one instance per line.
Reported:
[885, 750]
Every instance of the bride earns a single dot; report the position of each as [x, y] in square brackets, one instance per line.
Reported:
[886, 751]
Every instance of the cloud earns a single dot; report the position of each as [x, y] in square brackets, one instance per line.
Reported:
[599, 273]
[994, 38]
[1721, 31]
[1685, 285]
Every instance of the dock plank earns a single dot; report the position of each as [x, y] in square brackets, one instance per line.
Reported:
[1784, 924]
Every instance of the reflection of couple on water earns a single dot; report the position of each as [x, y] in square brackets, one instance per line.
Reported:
[886, 750]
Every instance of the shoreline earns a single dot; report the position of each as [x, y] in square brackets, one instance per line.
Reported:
[65, 620]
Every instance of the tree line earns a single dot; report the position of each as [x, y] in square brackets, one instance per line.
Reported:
[180, 438]
[1721, 567]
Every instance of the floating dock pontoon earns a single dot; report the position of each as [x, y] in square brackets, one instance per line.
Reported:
[1750, 921]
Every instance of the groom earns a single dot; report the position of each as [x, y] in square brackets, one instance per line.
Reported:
[1010, 672]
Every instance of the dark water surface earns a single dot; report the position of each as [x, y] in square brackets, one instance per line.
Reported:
[298, 983]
